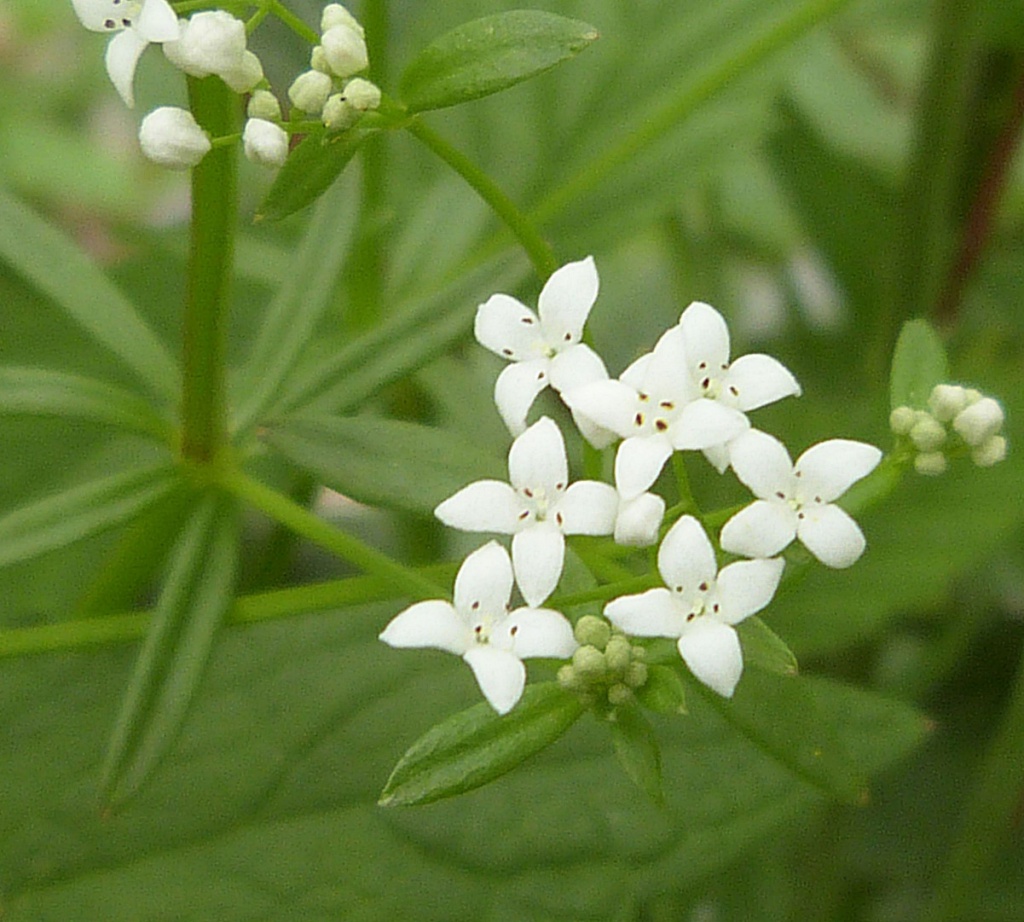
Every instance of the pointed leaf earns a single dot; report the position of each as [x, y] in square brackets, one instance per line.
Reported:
[663, 691]
[57, 268]
[196, 595]
[763, 648]
[918, 364]
[490, 54]
[636, 748]
[477, 746]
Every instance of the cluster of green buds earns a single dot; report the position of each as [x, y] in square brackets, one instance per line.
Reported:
[959, 420]
[607, 668]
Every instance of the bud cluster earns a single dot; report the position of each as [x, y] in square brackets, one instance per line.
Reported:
[606, 667]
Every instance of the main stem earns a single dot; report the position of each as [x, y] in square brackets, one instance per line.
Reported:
[208, 291]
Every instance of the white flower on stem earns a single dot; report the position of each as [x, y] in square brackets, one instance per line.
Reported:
[746, 384]
[480, 628]
[538, 508]
[214, 42]
[700, 605]
[546, 349]
[796, 500]
[344, 49]
[657, 409]
[265, 143]
[138, 23]
[310, 90]
[171, 137]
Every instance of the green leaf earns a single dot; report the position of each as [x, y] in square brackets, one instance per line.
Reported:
[40, 392]
[488, 55]
[384, 462]
[57, 268]
[196, 595]
[309, 171]
[85, 509]
[763, 648]
[636, 748]
[918, 364]
[476, 746]
[663, 691]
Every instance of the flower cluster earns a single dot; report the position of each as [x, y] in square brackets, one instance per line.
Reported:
[975, 421]
[214, 43]
[687, 394]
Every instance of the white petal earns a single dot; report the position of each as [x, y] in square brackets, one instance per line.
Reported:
[747, 586]
[639, 519]
[566, 300]
[515, 390]
[536, 461]
[433, 624]
[484, 582]
[576, 366]
[500, 675]
[761, 530]
[707, 339]
[597, 435]
[762, 463]
[712, 651]
[686, 558]
[831, 535]
[123, 52]
[635, 373]
[718, 456]
[665, 376]
[537, 555]
[757, 380]
[828, 469]
[704, 423]
[539, 632]
[157, 22]
[649, 614]
[609, 404]
[589, 508]
[486, 505]
[94, 14]
[638, 462]
[509, 329]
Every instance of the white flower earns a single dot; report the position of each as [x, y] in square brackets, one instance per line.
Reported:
[209, 43]
[345, 50]
[480, 628]
[138, 23]
[700, 605]
[538, 509]
[171, 137]
[657, 409]
[265, 143]
[543, 350]
[746, 384]
[309, 91]
[796, 501]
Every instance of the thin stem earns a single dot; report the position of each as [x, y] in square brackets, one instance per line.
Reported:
[523, 228]
[208, 291]
[293, 22]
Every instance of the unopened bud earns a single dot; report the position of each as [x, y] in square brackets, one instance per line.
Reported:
[589, 662]
[568, 678]
[979, 422]
[310, 90]
[211, 42]
[946, 400]
[246, 75]
[927, 434]
[636, 675]
[345, 50]
[265, 143]
[263, 104]
[593, 630]
[930, 463]
[901, 420]
[617, 653]
[171, 137]
[362, 95]
[338, 115]
[335, 14]
[990, 452]
[619, 694]
[318, 60]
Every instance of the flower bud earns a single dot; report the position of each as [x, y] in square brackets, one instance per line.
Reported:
[345, 50]
[901, 420]
[362, 95]
[927, 434]
[946, 400]
[979, 422]
[211, 43]
[338, 114]
[568, 678]
[619, 694]
[990, 452]
[318, 60]
[171, 137]
[246, 75]
[617, 653]
[930, 463]
[636, 675]
[589, 662]
[310, 90]
[592, 630]
[263, 104]
[265, 143]
[335, 14]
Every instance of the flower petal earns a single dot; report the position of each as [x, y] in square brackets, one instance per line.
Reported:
[537, 556]
[500, 675]
[828, 469]
[831, 535]
[639, 519]
[486, 505]
[635, 373]
[509, 329]
[665, 376]
[566, 300]
[434, 623]
[707, 339]
[589, 508]
[762, 463]
[536, 461]
[703, 423]
[539, 632]
[597, 435]
[157, 22]
[638, 462]
[609, 404]
[576, 366]
[515, 390]
[123, 52]
[712, 651]
[686, 558]
[718, 456]
[756, 380]
[747, 586]
[649, 614]
[762, 529]
[484, 582]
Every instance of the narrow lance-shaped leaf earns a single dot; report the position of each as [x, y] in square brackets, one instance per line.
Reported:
[764, 648]
[196, 595]
[918, 364]
[476, 746]
[636, 748]
[663, 691]
[490, 54]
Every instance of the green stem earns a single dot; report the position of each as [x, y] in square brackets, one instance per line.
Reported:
[525, 232]
[686, 501]
[208, 291]
[604, 593]
[293, 22]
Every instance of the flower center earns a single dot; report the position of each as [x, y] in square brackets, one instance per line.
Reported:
[655, 415]
[540, 505]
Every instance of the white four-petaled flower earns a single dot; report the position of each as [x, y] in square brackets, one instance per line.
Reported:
[700, 605]
[537, 508]
[480, 628]
[796, 500]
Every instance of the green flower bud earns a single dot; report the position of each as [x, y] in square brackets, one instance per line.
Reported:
[310, 90]
[619, 694]
[318, 60]
[636, 675]
[589, 662]
[930, 463]
[617, 653]
[946, 400]
[927, 434]
[568, 678]
[592, 630]
[338, 115]
[990, 452]
[901, 420]
[979, 422]
[263, 104]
